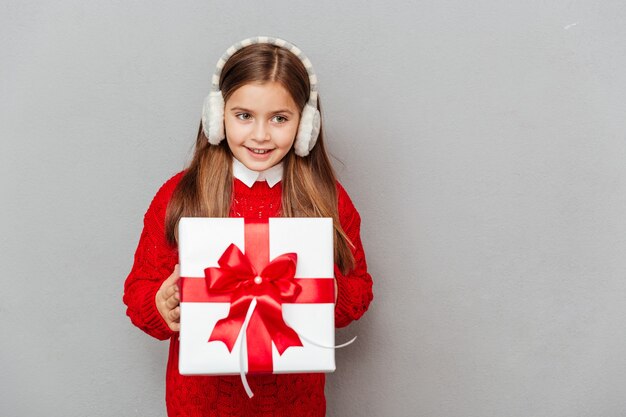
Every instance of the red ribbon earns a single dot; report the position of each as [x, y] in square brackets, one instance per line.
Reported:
[236, 281]
[273, 286]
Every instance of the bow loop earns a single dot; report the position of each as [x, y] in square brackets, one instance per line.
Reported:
[281, 273]
[234, 270]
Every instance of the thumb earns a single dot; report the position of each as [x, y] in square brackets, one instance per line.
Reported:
[174, 277]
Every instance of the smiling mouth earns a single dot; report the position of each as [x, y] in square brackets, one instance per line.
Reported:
[259, 151]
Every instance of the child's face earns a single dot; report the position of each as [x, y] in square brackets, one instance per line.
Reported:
[261, 122]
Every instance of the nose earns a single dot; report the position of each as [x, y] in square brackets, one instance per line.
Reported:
[261, 132]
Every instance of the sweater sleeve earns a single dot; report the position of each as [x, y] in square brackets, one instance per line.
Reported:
[355, 287]
[154, 262]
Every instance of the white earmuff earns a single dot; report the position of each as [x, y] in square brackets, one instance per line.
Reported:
[307, 131]
[213, 108]
[213, 117]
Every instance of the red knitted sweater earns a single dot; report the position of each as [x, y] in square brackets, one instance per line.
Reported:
[290, 395]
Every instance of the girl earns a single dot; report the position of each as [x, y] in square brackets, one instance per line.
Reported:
[272, 163]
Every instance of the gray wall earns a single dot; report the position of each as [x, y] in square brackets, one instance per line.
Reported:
[483, 142]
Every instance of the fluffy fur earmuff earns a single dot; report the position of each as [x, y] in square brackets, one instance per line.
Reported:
[213, 117]
[307, 131]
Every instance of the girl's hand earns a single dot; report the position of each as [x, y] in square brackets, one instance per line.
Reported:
[336, 291]
[168, 299]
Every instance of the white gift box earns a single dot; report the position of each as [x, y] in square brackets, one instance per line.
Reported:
[202, 241]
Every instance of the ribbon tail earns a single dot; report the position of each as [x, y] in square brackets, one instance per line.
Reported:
[286, 338]
[281, 334]
[243, 350]
[312, 342]
[227, 329]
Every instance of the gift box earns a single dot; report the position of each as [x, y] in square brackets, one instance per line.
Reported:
[256, 296]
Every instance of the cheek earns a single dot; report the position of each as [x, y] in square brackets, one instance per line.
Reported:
[288, 136]
[288, 141]
[232, 129]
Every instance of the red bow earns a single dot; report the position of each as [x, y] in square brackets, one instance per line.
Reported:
[275, 285]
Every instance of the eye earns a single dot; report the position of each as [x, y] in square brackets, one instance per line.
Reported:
[243, 116]
[279, 119]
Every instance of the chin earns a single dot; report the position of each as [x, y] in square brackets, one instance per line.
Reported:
[259, 165]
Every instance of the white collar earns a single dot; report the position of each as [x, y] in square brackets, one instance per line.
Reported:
[244, 174]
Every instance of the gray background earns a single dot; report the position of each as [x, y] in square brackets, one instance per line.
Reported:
[483, 143]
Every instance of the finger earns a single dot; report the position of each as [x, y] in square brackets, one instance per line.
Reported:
[174, 277]
[175, 273]
[169, 285]
[175, 327]
[174, 315]
[170, 291]
[172, 301]
[165, 292]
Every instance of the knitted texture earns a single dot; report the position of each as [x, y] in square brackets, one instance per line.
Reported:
[292, 395]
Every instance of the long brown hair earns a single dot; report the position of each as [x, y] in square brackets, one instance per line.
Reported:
[309, 183]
